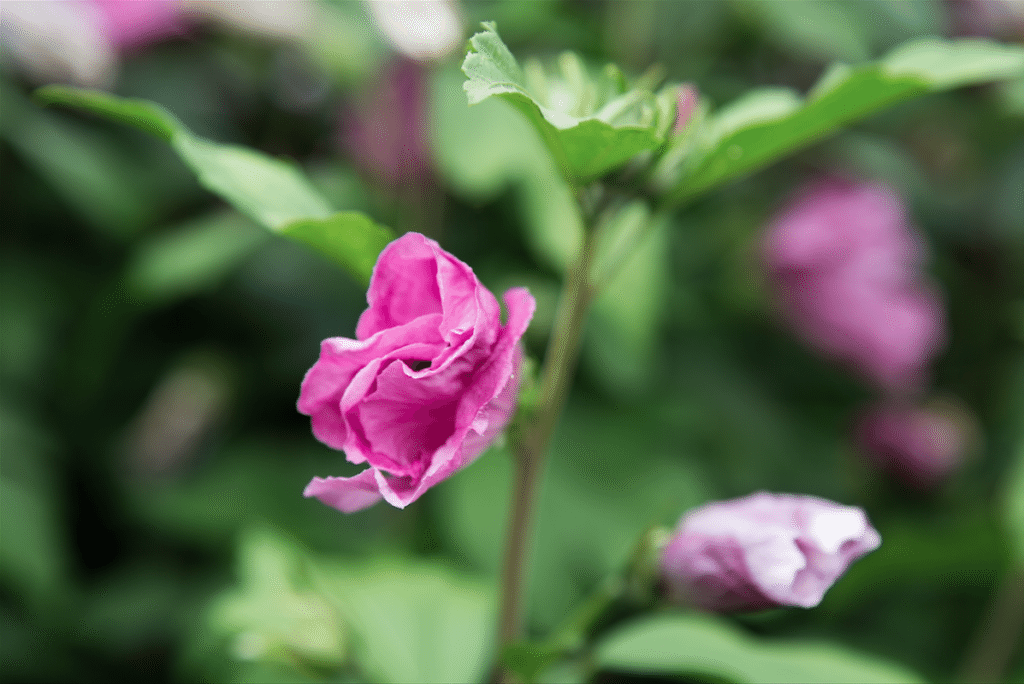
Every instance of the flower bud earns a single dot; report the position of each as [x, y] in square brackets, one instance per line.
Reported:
[920, 445]
[686, 102]
[763, 551]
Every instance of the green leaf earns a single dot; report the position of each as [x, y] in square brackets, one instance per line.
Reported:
[414, 622]
[704, 645]
[272, 192]
[99, 181]
[193, 257]
[142, 114]
[816, 29]
[34, 555]
[622, 335]
[480, 165]
[347, 237]
[590, 126]
[1013, 502]
[273, 615]
[767, 124]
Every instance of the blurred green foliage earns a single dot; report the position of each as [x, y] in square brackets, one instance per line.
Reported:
[152, 341]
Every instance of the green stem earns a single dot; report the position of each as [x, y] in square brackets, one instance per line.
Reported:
[998, 635]
[530, 450]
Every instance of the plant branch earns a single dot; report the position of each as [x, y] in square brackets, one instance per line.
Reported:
[998, 635]
[531, 447]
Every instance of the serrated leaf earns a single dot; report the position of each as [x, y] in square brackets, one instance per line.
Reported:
[767, 124]
[273, 192]
[589, 127]
[479, 166]
[704, 645]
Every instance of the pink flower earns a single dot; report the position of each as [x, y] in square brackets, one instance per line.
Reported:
[387, 130]
[131, 24]
[919, 444]
[845, 264]
[428, 383]
[686, 102]
[762, 551]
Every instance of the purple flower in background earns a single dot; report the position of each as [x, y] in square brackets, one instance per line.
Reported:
[686, 102]
[994, 18]
[844, 261]
[919, 444]
[763, 551]
[428, 383]
[387, 130]
[130, 24]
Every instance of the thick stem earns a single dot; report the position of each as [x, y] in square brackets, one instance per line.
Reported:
[530, 449]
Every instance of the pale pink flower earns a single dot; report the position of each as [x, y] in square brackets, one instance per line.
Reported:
[763, 551]
[428, 383]
[845, 263]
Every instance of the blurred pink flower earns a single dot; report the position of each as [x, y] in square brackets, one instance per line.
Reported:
[919, 444]
[387, 130]
[82, 41]
[686, 102]
[845, 261]
[994, 18]
[763, 551]
[130, 24]
[428, 383]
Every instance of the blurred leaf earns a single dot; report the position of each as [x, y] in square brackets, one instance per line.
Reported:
[413, 622]
[193, 257]
[1014, 500]
[248, 482]
[146, 116]
[31, 310]
[344, 41]
[767, 124]
[622, 334]
[274, 615]
[98, 181]
[590, 127]
[832, 30]
[703, 645]
[347, 237]
[528, 659]
[272, 192]
[34, 557]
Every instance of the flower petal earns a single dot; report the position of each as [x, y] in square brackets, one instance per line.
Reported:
[347, 494]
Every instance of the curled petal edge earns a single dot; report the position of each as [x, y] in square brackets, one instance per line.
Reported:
[347, 494]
